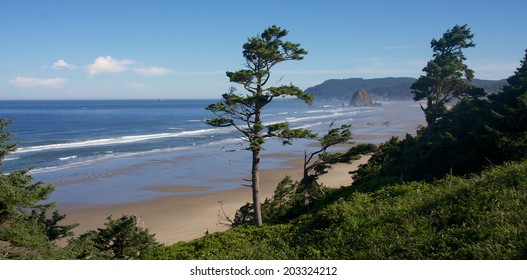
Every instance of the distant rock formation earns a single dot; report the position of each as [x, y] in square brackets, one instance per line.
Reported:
[361, 98]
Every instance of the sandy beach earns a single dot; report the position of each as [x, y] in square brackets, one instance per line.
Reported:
[179, 217]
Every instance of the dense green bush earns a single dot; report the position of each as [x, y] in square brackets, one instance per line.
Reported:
[483, 217]
[120, 239]
[27, 228]
[244, 242]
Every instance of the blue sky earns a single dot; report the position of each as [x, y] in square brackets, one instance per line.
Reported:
[182, 49]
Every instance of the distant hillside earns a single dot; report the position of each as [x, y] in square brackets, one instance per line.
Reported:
[381, 88]
[490, 86]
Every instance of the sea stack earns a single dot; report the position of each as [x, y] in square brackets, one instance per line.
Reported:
[361, 98]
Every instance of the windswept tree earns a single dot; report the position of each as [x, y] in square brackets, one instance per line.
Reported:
[447, 76]
[243, 111]
[319, 162]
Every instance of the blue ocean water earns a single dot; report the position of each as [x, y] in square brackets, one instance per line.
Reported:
[58, 133]
[93, 149]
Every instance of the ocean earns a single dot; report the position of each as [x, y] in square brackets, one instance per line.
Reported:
[117, 151]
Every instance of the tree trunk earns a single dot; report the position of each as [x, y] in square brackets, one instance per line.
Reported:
[306, 180]
[256, 187]
[430, 116]
[256, 143]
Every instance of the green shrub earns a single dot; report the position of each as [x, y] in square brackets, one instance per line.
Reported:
[119, 239]
[244, 242]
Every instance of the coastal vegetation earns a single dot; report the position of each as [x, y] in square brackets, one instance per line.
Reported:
[457, 189]
[27, 228]
[447, 76]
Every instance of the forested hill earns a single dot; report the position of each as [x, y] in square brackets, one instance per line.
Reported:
[382, 88]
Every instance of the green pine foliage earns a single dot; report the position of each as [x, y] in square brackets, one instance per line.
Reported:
[27, 228]
[120, 239]
[447, 76]
[509, 115]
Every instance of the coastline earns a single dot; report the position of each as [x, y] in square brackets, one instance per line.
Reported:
[189, 208]
[179, 217]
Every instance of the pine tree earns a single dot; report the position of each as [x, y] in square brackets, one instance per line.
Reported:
[25, 220]
[509, 115]
[447, 76]
[244, 112]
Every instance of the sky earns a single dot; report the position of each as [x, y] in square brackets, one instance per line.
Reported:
[102, 49]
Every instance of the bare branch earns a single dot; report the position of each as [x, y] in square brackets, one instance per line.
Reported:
[223, 216]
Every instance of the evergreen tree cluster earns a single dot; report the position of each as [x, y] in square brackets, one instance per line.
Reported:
[474, 134]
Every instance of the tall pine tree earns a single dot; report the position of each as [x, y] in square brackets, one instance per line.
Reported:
[244, 111]
[447, 76]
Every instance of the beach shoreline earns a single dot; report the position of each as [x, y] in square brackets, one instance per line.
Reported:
[179, 217]
[180, 196]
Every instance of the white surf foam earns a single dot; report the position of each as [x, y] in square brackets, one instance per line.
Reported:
[113, 141]
[111, 155]
[66, 158]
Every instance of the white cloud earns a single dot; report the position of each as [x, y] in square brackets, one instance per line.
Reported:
[107, 64]
[27, 82]
[152, 71]
[137, 86]
[61, 64]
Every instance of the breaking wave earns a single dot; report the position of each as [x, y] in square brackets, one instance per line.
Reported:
[113, 141]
